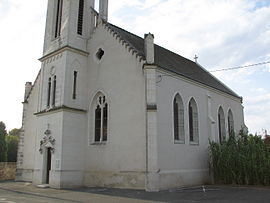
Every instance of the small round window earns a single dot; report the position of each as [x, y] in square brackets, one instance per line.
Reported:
[100, 54]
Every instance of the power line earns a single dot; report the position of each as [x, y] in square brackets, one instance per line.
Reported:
[219, 70]
[240, 67]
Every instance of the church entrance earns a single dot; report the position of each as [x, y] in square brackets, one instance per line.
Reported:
[49, 163]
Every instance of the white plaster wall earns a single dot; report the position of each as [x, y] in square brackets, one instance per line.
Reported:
[187, 164]
[73, 141]
[30, 133]
[76, 62]
[121, 161]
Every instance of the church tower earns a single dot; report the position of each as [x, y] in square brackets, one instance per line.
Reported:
[62, 105]
[69, 23]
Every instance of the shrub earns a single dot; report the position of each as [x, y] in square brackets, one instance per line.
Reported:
[242, 159]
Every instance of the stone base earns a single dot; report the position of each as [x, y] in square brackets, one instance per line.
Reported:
[60, 179]
[129, 180]
[24, 175]
[180, 178]
[68, 179]
[152, 182]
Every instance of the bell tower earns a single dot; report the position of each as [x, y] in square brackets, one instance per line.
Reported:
[69, 23]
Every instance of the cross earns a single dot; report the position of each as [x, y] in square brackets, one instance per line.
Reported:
[48, 132]
[196, 58]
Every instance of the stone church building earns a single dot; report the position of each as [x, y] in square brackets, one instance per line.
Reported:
[111, 109]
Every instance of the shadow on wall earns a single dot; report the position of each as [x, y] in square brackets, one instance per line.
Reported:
[7, 171]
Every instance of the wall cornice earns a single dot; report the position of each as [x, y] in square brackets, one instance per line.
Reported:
[60, 108]
[62, 49]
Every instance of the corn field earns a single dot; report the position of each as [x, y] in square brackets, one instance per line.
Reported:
[242, 159]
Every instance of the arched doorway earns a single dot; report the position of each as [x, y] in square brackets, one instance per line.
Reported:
[48, 164]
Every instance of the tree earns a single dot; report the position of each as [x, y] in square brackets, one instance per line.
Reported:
[3, 130]
[267, 140]
[14, 132]
[3, 133]
[12, 148]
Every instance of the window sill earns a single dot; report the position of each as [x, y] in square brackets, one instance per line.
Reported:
[99, 143]
[81, 36]
[56, 38]
[179, 142]
[193, 143]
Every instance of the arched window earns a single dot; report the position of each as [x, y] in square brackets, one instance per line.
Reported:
[100, 118]
[74, 93]
[54, 91]
[178, 119]
[230, 122]
[221, 125]
[49, 92]
[193, 121]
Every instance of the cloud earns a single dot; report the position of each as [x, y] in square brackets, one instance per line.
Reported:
[150, 4]
[210, 28]
[260, 98]
[257, 109]
[115, 6]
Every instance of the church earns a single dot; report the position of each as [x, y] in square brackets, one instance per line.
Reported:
[111, 109]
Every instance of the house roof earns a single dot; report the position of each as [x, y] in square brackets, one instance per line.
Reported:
[173, 62]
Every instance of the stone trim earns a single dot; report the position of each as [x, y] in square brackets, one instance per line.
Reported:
[65, 48]
[60, 108]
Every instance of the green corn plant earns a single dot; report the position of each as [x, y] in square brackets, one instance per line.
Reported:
[243, 159]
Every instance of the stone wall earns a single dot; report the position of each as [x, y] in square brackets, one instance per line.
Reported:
[7, 171]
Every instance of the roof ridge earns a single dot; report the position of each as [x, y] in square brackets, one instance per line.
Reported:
[143, 39]
[169, 60]
[210, 74]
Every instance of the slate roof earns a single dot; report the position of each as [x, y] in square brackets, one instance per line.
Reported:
[173, 62]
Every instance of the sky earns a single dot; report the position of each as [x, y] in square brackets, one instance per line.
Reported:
[223, 33]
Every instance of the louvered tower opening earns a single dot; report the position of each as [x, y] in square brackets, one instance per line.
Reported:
[58, 18]
[80, 17]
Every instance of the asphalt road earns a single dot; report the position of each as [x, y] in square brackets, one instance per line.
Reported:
[208, 194]
[11, 192]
